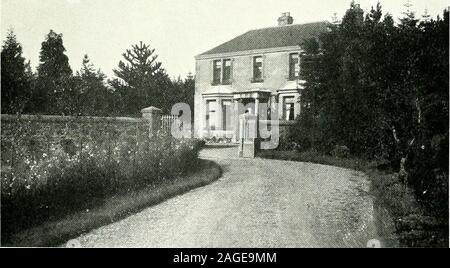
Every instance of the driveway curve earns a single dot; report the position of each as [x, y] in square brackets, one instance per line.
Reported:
[256, 203]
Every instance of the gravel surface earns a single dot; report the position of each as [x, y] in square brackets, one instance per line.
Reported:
[256, 203]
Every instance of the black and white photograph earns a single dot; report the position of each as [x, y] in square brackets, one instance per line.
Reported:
[211, 124]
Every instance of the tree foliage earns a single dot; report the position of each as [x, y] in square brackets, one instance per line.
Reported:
[381, 90]
[54, 88]
[94, 97]
[16, 76]
[184, 90]
[141, 81]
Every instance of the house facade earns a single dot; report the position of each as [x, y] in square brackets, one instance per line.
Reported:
[257, 73]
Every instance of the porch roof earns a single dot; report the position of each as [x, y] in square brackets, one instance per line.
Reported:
[252, 93]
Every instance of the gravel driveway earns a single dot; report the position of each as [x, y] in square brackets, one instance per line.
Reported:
[256, 203]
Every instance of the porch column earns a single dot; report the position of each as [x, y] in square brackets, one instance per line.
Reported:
[219, 114]
[280, 107]
[256, 106]
[206, 119]
[236, 120]
[274, 112]
[257, 116]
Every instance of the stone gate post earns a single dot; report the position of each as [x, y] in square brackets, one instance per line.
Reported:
[153, 116]
[248, 136]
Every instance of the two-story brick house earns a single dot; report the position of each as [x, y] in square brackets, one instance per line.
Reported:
[256, 72]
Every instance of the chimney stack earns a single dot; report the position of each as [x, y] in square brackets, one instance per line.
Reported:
[285, 19]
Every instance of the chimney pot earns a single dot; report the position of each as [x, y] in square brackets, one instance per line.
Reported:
[285, 19]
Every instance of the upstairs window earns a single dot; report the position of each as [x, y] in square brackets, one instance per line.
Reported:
[217, 71]
[258, 69]
[226, 72]
[294, 66]
[222, 72]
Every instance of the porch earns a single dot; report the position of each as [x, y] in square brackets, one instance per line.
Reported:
[220, 120]
[222, 112]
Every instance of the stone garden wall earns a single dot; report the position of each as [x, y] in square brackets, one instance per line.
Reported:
[37, 135]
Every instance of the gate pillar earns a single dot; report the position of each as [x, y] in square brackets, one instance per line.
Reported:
[248, 135]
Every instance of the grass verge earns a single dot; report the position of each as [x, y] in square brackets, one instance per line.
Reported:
[399, 218]
[314, 157]
[53, 233]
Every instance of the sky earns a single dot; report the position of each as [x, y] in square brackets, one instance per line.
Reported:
[177, 29]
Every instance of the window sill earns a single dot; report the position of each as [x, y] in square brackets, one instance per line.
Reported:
[220, 84]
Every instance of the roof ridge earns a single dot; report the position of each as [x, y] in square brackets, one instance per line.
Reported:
[288, 25]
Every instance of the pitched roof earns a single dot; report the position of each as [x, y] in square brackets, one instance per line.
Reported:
[280, 36]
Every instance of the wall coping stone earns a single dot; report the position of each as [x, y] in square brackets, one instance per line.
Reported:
[60, 118]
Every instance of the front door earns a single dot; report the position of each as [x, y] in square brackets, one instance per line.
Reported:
[249, 105]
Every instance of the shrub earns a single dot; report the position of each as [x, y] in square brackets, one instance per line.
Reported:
[340, 151]
[415, 226]
[40, 185]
